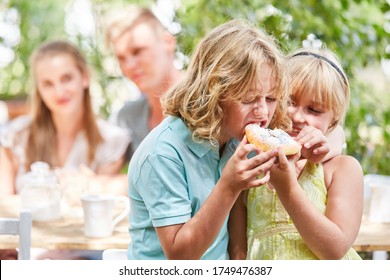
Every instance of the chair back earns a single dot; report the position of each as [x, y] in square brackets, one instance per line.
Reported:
[22, 228]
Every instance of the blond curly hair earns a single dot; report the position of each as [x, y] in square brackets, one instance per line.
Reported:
[224, 66]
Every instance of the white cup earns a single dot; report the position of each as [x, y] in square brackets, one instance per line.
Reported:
[99, 220]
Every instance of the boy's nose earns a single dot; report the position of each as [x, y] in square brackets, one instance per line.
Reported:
[260, 108]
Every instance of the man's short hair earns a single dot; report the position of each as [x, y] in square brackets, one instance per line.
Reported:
[128, 18]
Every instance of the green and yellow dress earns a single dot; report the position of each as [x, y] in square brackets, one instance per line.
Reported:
[271, 232]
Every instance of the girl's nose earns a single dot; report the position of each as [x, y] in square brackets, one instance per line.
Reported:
[296, 114]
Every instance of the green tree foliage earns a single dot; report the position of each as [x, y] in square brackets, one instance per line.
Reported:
[354, 29]
[38, 21]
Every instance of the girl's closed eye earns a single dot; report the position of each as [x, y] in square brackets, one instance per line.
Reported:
[314, 111]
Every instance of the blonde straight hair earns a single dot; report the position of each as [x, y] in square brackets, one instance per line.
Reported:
[318, 73]
[224, 66]
[42, 140]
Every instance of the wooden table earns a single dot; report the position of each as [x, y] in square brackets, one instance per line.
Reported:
[67, 233]
[373, 236]
[64, 233]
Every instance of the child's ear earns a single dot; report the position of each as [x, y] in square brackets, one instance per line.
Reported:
[170, 41]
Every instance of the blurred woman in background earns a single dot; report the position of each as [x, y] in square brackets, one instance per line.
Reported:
[62, 129]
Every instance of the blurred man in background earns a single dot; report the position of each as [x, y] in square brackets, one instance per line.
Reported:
[145, 50]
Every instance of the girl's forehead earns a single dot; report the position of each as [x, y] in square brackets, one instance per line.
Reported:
[306, 98]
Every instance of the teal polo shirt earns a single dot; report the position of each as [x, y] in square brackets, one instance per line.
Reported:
[170, 176]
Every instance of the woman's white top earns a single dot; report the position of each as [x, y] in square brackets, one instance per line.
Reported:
[115, 143]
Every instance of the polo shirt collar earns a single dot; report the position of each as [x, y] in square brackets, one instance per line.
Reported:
[200, 147]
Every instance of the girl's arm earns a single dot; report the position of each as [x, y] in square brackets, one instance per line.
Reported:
[200, 231]
[237, 228]
[7, 172]
[331, 235]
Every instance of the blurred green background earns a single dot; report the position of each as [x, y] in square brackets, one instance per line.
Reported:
[357, 30]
